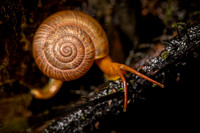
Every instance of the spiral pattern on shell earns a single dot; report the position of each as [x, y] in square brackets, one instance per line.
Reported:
[66, 44]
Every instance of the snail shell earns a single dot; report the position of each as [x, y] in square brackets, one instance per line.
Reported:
[67, 43]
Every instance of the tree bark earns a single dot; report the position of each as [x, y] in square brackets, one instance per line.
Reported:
[179, 51]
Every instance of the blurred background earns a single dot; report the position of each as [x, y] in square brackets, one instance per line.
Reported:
[132, 26]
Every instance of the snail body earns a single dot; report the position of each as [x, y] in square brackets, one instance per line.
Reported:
[65, 46]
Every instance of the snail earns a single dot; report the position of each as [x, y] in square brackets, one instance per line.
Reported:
[65, 46]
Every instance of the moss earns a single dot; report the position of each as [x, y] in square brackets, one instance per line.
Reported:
[154, 85]
[121, 90]
[164, 55]
[83, 118]
[132, 82]
[16, 124]
[178, 25]
[14, 113]
[168, 12]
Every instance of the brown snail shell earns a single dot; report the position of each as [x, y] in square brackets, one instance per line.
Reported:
[67, 43]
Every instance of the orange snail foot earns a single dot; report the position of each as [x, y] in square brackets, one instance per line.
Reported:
[48, 90]
[119, 70]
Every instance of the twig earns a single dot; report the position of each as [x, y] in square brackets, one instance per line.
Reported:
[109, 100]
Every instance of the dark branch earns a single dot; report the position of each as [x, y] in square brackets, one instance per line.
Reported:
[109, 100]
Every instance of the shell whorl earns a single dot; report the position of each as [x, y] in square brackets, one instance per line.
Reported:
[64, 46]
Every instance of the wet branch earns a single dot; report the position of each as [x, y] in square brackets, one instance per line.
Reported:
[109, 100]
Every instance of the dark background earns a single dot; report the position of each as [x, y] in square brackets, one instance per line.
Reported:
[132, 27]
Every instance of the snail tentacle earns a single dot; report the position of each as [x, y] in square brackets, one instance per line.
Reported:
[65, 46]
[114, 71]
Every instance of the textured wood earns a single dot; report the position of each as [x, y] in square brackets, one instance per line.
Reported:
[107, 103]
